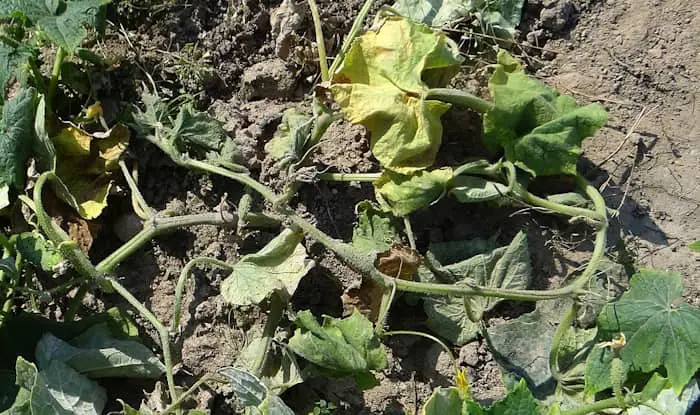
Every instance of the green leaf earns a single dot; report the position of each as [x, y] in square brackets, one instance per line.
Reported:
[347, 347]
[36, 250]
[519, 401]
[9, 391]
[13, 65]
[406, 194]
[660, 328]
[474, 189]
[669, 403]
[381, 85]
[280, 370]
[68, 28]
[540, 130]
[501, 15]
[375, 230]
[28, 9]
[278, 267]
[252, 393]
[506, 267]
[443, 401]
[597, 372]
[695, 246]
[42, 146]
[16, 131]
[289, 141]
[97, 355]
[59, 390]
[84, 165]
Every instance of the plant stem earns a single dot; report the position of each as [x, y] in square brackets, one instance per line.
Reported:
[564, 325]
[77, 301]
[55, 75]
[180, 287]
[160, 328]
[156, 226]
[273, 320]
[349, 177]
[354, 31]
[138, 203]
[320, 43]
[176, 403]
[427, 336]
[460, 98]
[594, 407]
[239, 177]
[572, 211]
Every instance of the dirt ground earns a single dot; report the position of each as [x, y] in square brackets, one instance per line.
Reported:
[638, 58]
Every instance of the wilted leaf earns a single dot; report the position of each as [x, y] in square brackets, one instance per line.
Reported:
[493, 14]
[42, 145]
[570, 199]
[518, 401]
[278, 267]
[406, 194]
[506, 267]
[398, 262]
[289, 141]
[381, 84]
[347, 347]
[443, 401]
[280, 370]
[36, 250]
[375, 230]
[63, 22]
[540, 130]
[96, 355]
[661, 329]
[58, 389]
[16, 132]
[474, 189]
[84, 164]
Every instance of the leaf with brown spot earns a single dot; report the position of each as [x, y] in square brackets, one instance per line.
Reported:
[399, 262]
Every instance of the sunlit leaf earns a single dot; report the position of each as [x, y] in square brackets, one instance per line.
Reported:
[13, 65]
[289, 141]
[381, 84]
[278, 267]
[406, 194]
[661, 329]
[539, 129]
[16, 132]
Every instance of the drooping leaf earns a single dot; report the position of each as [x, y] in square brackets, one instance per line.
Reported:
[375, 230]
[660, 328]
[381, 85]
[13, 65]
[97, 355]
[289, 141]
[252, 393]
[280, 370]
[84, 164]
[42, 146]
[539, 129]
[499, 15]
[16, 132]
[347, 347]
[278, 267]
[58, 390]
[36, 250]
[474, 189]
[406, 194]
[506, 267]
[669, 403]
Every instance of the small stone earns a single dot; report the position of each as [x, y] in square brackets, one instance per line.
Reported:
[556, 15]
[469, 354]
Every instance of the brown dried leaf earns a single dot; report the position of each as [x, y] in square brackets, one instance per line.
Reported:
[398, 262]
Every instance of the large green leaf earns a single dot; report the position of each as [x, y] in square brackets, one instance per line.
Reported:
[16, 132]
[540, 130]
[36, 250]
[501, 15]
[278, 267]
[13, 65]
[347, 347]
[97, 355]
[506, 267]
[375, 230]
[381, 85]
[660, 328]
[56, 390]
[406, 194]
[63, 22]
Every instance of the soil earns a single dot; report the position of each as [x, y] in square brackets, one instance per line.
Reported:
[638, 58]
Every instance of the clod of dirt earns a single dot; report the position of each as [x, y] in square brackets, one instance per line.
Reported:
[469, 354]
[268, 79]
[556, 14]
[285, 20]
[437, 365]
